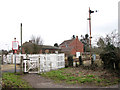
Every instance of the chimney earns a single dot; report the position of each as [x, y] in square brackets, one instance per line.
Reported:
[30, 41]
[76, 37]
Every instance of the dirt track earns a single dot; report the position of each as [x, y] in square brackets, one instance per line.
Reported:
[37, 81]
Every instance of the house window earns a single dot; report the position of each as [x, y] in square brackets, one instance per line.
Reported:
[66, 45]
[56, 52]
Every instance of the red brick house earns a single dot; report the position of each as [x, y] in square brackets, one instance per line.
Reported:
[70, 47]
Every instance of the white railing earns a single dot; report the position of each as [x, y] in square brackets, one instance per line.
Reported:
[43, 62]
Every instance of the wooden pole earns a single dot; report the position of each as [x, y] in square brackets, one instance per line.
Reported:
[21, 37]
[21, 65]
[39, 65]
[15, 52]
[0, 64]
[15, 61]
[0, 73]
[2, 58]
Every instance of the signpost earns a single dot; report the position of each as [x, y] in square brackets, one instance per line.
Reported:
[77, 54]
[15, 46]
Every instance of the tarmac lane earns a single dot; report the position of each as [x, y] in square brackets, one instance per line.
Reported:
[10, 68]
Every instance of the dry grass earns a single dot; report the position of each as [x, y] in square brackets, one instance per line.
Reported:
[83, 75]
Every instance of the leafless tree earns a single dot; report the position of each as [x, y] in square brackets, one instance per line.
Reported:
[37, 40]
[113, 38]
[37, 44]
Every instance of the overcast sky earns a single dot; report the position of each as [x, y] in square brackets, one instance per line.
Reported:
[55, 20]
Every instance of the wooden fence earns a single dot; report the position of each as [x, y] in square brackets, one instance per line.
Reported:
[85, 58]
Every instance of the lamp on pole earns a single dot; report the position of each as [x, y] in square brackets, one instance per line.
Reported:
[90, 11]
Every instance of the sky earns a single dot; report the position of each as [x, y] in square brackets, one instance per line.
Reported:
[55, 20]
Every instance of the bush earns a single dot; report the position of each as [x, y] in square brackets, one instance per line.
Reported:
[70, 60]
[110, 57]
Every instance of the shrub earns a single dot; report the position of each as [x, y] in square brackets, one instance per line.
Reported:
[70, 60]
[110, 57]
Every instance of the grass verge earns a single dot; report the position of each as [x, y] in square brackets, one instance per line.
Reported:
[11, 80]
[64, 75]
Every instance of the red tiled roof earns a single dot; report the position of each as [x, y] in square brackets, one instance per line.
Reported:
[66, 42]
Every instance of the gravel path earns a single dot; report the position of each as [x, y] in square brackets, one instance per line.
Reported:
[37, 81]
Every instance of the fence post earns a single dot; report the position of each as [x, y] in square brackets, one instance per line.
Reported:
[39, 64]
[2, 59]
[21, 65]
[80, 61]
[0, 72]
[92, 62]
[25, 64]
[50, 65]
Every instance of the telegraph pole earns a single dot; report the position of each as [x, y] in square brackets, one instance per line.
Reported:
[21, 36]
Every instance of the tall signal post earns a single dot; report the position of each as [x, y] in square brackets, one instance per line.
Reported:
[90, 11]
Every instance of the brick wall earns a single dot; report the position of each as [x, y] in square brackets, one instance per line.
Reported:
[77, 46]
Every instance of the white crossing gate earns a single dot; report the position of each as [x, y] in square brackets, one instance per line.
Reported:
[43, 63]
[37, 63]
[31, 66]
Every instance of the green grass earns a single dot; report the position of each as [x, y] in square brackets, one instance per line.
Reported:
[10, 80]
[71, 78]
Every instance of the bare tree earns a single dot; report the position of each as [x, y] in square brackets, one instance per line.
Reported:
[37, 40]
[85, 41]
[37, 44]
[113, 38]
